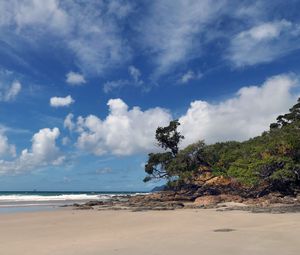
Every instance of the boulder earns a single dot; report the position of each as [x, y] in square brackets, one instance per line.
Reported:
[207, 200]
[231, 198]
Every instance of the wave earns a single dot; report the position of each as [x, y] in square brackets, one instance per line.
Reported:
[63, 197]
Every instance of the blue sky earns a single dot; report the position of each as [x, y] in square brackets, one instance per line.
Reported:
[85, 84]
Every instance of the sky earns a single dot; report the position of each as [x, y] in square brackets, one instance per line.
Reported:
[85, 84]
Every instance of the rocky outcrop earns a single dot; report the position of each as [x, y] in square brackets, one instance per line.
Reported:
[204, 191]
[207, 201]
[273, 203]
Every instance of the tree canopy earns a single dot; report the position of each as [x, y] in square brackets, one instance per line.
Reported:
[168, 137]
[272, 159]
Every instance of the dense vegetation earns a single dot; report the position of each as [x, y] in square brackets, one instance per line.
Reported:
[271, 159]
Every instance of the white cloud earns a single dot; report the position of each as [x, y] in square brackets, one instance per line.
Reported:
[264, 43]
[245, 115]
[10, 93]
[135, 74]
[13, 130]
[190, 75]
[174, 32]
[43, 152]
[123, 132]
[135, 80]
[68, 122]
[43, 148]
[170, 31]
[61, 101]
[96, 37]
[75, 78]
[65, 141]
[119, 8]
[5, 147]
[92, 31]
[41, 13]
[113, 85]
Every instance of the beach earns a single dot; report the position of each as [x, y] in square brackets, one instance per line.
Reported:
[197, 231]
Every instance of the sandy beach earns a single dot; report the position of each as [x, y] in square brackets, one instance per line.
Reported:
[69, 232]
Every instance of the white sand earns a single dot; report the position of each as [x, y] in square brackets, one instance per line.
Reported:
[185, 232]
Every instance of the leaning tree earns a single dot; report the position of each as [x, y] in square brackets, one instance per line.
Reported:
[167, 138]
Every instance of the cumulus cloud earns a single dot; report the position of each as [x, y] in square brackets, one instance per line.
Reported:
[65, 141]
[264, 43]
[244, 115]
[75, 78]
[247, 114]
[5, 147]
[61, 101]
[10, 93]
[190, 75]
[123, 132]
[42, 153]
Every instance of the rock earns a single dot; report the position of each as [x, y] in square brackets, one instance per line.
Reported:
[94, 203]
[84, 207]
[231, 198]
[219, 181]
[202, 179]
[207, 200]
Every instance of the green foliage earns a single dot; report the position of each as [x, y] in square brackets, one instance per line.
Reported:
[271, 159]
[292, 116]
[187, 160]
[168, 137]
[159, 165]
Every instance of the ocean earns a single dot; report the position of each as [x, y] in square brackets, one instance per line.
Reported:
[22, 201]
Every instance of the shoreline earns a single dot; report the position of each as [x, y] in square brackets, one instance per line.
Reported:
[167, 201]
[164, 201]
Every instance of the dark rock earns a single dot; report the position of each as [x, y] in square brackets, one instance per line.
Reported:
[84, 207]
[94, 203]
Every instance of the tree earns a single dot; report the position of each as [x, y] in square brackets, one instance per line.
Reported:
[157, 166]
[288, 118]
[168, 138]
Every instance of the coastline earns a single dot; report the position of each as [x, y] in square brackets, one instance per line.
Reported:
[170, 200]
[18, 201]
[192, 231]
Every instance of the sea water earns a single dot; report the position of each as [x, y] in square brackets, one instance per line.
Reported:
[21, 201]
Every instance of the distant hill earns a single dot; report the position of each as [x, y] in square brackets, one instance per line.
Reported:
[159, 188]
